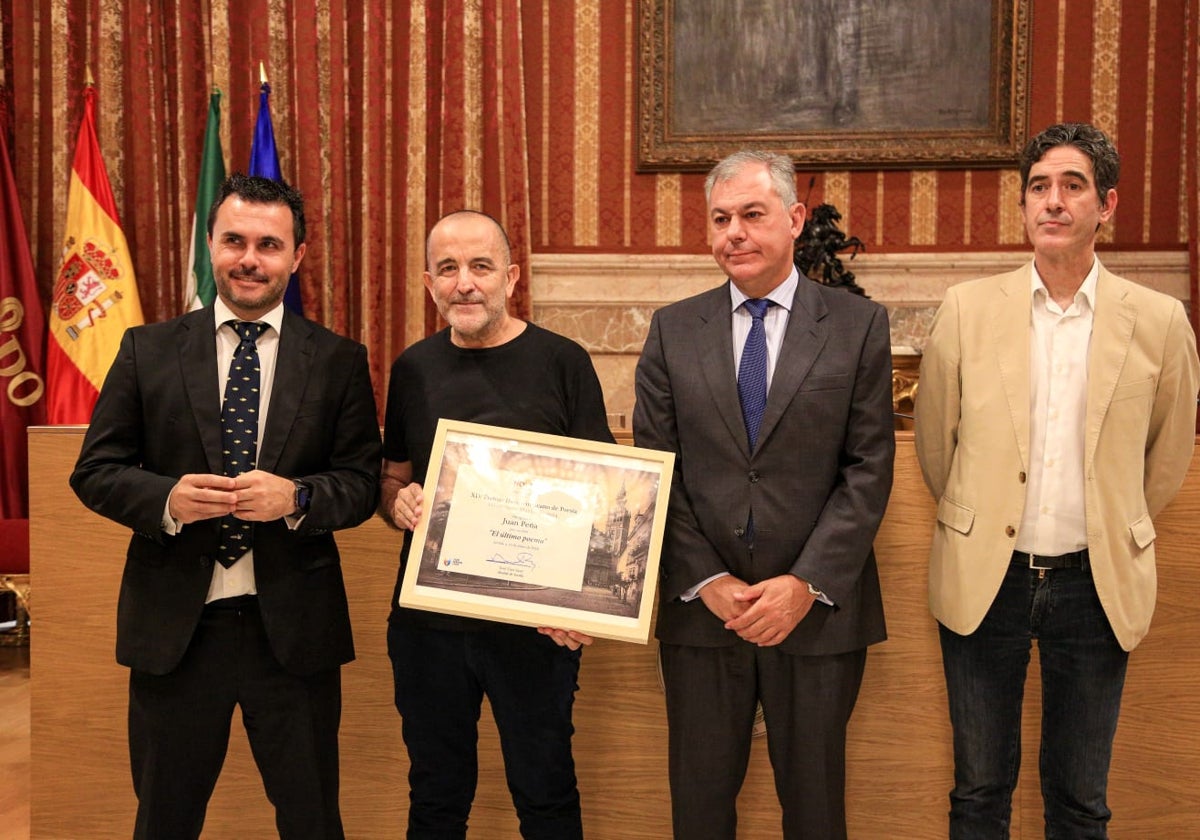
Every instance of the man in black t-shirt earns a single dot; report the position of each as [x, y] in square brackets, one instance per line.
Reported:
[487, 367]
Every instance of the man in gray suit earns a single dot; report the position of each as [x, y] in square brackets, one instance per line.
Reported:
[769, 587]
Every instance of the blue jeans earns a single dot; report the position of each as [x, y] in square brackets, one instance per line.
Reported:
[441, 677]
[1083, 674]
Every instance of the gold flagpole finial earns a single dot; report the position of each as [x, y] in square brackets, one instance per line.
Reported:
[87, 78]
[262, 73]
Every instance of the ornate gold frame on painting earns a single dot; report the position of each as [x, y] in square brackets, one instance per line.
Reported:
[663, 144]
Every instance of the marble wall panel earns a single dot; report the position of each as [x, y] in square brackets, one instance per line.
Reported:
[605, 301]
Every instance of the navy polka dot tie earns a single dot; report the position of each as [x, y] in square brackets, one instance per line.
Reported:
[752, 371]
[239, 431]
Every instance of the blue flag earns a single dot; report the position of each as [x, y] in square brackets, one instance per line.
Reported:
[264, 162]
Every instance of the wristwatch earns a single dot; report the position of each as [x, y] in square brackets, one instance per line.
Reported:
[303, 497]
[816, 593]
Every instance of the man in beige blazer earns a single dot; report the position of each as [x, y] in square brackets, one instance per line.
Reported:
[1055, 419]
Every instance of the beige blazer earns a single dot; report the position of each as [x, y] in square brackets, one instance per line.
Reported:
[972, 436]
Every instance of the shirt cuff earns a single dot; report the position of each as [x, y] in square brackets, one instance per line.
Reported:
[694, 593]
[820, 594]
[170, 525]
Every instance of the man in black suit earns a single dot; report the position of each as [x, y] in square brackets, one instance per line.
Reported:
[769, 588]
[232, 593]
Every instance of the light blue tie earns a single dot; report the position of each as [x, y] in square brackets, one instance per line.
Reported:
[752, 372]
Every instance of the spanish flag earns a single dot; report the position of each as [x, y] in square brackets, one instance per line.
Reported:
[95, 296]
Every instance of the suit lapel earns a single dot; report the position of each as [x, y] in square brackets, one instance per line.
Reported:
[715, 342]
[293, 363]
[802, 343]
[198, 371]
[1112, 332]
[1010, 342]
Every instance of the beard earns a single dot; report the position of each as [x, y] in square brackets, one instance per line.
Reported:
[269, 290]
[479, 321]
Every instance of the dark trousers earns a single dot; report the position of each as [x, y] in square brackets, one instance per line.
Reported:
[441, 677]
[712, 694]
[179, 731]
[1083, 675]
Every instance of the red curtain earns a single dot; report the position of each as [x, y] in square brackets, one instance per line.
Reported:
[385, 114]
[389, 113]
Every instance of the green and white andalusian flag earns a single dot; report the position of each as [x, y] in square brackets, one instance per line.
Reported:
[199, 288]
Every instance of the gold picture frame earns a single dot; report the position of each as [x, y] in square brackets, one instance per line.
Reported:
[835, 84]
[540, 530]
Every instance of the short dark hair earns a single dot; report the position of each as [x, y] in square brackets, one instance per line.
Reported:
[257, 190]
[1106, 163]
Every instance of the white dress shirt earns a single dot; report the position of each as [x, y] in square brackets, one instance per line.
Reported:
[1055, 521]
[775, 323]
[238, 579]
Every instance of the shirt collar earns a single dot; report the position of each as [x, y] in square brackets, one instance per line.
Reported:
[222, 314]
[781, 295]
[1087, 288]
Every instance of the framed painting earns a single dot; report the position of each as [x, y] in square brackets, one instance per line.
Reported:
[835, 84]
[540, 530]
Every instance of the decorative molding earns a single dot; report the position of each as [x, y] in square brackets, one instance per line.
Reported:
[910, 279]
[605, 301]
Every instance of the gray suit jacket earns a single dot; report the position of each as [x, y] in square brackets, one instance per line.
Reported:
[818, 480]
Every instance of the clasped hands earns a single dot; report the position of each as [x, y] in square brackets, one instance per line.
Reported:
[406, 513]
[255, 496]
[763, 613]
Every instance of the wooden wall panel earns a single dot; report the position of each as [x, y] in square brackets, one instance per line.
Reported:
[899, 749]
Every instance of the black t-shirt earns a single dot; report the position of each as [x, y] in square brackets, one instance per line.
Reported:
[538, 382]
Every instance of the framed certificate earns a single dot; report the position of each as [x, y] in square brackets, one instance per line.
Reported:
[540, 530]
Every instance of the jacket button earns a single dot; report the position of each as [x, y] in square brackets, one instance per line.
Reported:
[753, 476]
[739, 532]
[1021, 476]
[206, 561]
[1010, 531]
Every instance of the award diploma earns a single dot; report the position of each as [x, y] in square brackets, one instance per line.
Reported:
[520, 527]
[540, 530]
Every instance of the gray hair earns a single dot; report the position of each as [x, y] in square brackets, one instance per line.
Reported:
[1094, 143]
[779, 168]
